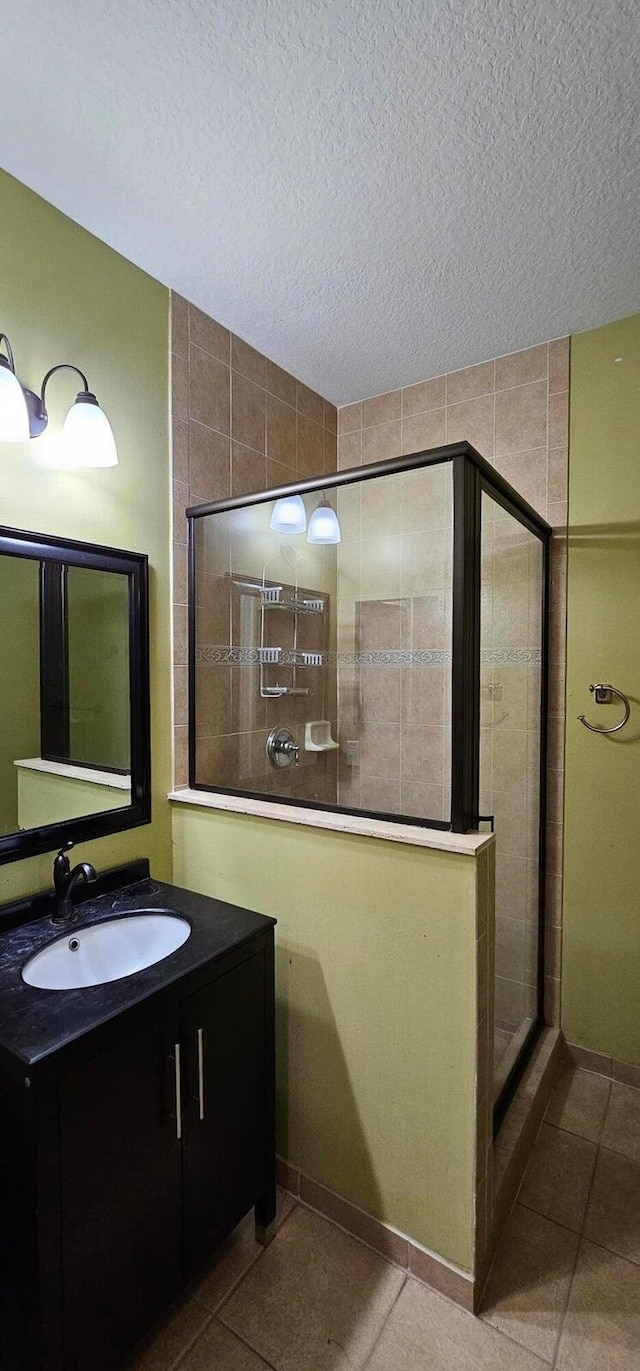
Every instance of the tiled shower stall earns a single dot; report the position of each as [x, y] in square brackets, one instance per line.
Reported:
[242, 424]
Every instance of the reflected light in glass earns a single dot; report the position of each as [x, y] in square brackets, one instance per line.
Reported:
[324, 526]
[289, 515]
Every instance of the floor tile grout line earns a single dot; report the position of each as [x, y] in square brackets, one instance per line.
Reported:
[376, 1340]
[615, 1152]
[606, 1114]
[576, 1232]
[191, 1344]
[213, 1314]
[609, 1250]
[252, 1265]
[500, 1332]
[580, 1236]
[562, 1129]
[439, 1294]
[581, 1136]
[239, 1338]
[252, 1347]
[405, 1272]
[234, 1287]
[354, 1236]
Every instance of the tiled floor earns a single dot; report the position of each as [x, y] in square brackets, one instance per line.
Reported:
[564, 1291]
[566, 1279]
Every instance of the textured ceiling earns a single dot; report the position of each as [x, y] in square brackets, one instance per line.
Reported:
[369, 192]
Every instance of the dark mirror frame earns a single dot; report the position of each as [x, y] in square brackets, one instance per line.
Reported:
[40, 547]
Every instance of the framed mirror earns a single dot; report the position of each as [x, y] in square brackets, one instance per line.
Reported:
[75, 755]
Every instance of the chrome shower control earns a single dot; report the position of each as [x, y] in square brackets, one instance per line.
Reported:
[282, 748]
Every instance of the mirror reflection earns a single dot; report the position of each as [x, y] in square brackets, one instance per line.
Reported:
[64, 686]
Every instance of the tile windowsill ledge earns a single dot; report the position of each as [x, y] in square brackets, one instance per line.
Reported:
[465, 844]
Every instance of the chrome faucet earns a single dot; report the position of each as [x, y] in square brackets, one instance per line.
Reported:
[65, 880]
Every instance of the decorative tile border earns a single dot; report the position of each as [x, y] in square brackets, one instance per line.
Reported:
[224, 655]
[516, 656]
[221, 654]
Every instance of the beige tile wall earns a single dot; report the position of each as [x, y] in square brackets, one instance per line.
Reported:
[394, 595]
[240, 423]
[514, 410]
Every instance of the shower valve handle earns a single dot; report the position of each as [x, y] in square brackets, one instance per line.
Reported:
[282, 748]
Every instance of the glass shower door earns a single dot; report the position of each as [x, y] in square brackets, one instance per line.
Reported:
[510, 768]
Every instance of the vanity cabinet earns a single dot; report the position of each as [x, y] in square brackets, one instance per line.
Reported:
[225, 1066]
[120, 1194]
[129, 1155]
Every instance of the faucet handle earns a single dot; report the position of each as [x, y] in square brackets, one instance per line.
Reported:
[61, 867]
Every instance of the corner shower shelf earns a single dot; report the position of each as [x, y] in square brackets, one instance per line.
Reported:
[292, 605]
[275, 691]
[278, 656]
[271, 596]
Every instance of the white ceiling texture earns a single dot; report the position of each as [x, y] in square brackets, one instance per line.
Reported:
[369, 191]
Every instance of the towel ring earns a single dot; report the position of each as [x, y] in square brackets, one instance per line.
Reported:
[603, 694]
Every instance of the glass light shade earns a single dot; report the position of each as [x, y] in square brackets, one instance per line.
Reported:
[87, 437]
[14, 416]
[324, 526]
[289, 515]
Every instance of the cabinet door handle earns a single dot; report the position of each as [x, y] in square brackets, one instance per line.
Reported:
[201, 1072]
[178, 1084]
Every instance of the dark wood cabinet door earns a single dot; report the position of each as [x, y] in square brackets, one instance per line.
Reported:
[120, 1181]
[223, 1034]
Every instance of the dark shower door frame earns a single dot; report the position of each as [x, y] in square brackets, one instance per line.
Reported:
[472, 476]
[519, 509]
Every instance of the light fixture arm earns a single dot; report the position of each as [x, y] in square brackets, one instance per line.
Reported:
[9, 351]
[61, 366]
[38, 416]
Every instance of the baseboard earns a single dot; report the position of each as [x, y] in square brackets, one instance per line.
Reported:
[428, 1267]
[623, 1072]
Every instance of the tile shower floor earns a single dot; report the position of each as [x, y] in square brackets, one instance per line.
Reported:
[564, 1290]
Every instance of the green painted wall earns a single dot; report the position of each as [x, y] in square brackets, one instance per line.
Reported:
[66, 297]
[98, 639]
[41, 794]
[601, 940]
[376, 1009]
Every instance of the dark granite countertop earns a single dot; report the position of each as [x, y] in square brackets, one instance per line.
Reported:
[35, 1023]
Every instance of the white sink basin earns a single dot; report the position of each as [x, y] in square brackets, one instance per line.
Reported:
[107, 951]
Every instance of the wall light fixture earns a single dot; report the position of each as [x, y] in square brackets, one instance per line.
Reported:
[87, 437]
